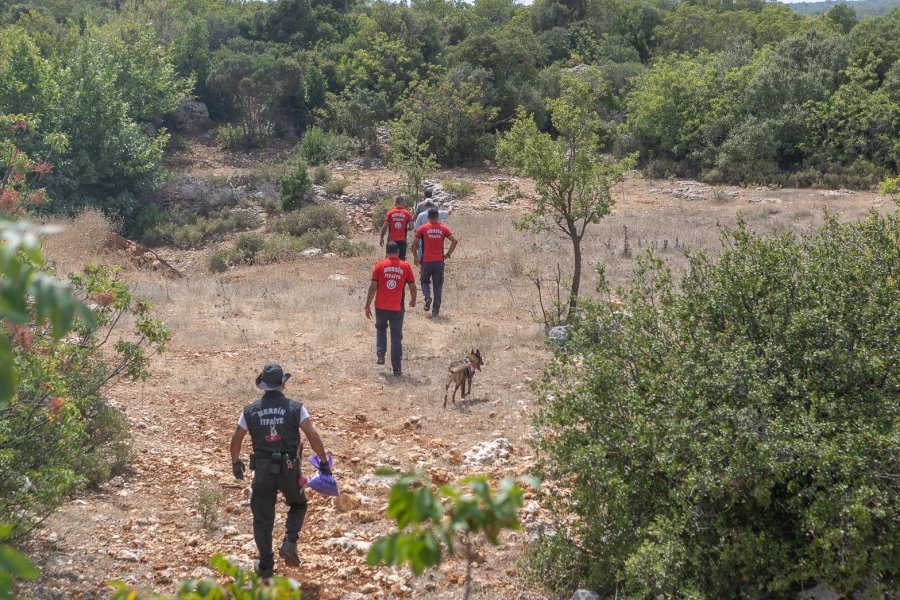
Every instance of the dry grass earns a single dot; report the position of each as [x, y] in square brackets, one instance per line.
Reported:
[80, 242]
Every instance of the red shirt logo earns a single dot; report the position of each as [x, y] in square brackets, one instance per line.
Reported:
[433, 236]
[391, 274]
[398, 219]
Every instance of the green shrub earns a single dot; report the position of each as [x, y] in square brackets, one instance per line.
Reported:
[278, 248]
[318, 238]
[379, 213]
[318, 147]
[230, 137]
[207, 504]
[218, 261]
[349, 249]
[249, 243]
[726, 435]
[461, 188]
[271, 206]
[321, 175]
[312, 218]
[296, 188]
[336, 187]
[312, 146]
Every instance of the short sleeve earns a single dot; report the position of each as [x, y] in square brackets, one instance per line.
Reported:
[419, 232]
[304, 414]
[447, 231]
[242, 422]
[410, 277]
[375, 276]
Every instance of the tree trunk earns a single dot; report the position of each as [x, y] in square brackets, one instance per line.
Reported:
[576, 277]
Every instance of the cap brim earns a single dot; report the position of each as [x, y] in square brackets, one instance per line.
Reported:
[269, 387]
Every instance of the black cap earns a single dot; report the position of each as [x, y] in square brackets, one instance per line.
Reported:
[433, 213]
[392, 248]
[272, 377]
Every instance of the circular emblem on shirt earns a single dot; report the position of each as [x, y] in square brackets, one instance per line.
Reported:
[397, 225]
[391, 284]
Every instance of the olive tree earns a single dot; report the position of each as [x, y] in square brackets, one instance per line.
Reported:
[572, 178]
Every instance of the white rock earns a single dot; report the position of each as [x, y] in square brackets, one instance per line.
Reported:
[488, 453]
[346, 544]
[311, 253]
[338, 277]
[128, 555]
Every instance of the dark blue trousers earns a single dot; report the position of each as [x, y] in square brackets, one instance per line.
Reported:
[394, 320]
[433, 272]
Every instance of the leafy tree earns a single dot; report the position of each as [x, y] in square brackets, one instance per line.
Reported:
[842, 16]
[410, 154]
[571, 178]
[453, 116]
[256, 83]
[296, 188]
[733, 433]
[433, 521]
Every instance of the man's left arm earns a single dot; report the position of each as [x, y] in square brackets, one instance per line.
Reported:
[453, 242]
[373, 287]
[315, 441]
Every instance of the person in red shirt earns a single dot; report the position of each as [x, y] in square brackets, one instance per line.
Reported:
[396, 223]
[431, 236]
[389, 276]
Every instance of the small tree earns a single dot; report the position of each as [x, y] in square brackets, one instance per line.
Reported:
[572, 179]
[410, 154]
[433, 520]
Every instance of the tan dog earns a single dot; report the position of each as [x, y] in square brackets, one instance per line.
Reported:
[462, 371]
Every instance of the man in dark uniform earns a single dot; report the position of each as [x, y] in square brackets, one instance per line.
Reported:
[274, 423]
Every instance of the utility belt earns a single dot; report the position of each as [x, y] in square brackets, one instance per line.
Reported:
[274, 463]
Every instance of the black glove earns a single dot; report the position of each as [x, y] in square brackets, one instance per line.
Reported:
[237, 467]
[324, 468]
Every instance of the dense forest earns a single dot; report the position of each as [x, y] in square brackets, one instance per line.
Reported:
[862, 8]
[746, 92]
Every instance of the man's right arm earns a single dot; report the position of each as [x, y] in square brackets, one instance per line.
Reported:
[384, 229]
[315, 441]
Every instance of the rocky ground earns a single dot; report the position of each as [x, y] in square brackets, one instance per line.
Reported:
[145, 527]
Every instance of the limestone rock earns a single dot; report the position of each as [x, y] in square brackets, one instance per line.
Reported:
[823, 591]
[311, 253]
[191, 116]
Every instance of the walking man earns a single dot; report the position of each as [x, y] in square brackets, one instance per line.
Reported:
[431, 237]
[396, 223]
[274, 423]
[389, 276]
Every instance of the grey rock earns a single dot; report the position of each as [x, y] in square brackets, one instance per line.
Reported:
[127, 555]
[311, 253]
[559, 335]
[191, 116]
[117, 481]
[823, 591]
[585, 595]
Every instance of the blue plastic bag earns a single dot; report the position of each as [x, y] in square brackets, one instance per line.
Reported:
[322, 482]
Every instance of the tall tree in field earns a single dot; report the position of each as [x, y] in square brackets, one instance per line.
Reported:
[570, 175]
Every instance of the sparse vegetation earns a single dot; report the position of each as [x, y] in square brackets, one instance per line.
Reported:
[321, 175]
[336, 187]
[312, 218]
[461, 188]
[199, 229]
[296, 188]
[207, 504]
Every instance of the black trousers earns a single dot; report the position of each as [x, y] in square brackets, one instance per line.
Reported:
[403, 247]
[264, 493]
[394, 319]
[433, 272]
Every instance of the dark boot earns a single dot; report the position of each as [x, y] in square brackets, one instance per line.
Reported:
[263, 573]
[288, 553]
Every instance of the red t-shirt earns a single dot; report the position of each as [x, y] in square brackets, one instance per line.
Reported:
[432, 236]
[398, 217]
[391, 274]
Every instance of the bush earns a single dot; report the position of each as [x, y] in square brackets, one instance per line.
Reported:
[199, 229]
[318, 147]
[296, 188]
[318, 238]
[230, 137]
[312, 218]
[218, 261]
[321, 175]
[729, 435]
[349, 249]
[461, 188]
[336, 187]
[207, 503]
[379, 213]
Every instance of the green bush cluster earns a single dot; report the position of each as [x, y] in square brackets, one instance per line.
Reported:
[60, 432]
[319, 147]
[336, 187]
[253, 249]
[461, 188]
[312, 218]
[734, 433]
[296, 188]
[199, 229]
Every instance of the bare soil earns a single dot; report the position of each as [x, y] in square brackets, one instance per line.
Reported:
[308, 315]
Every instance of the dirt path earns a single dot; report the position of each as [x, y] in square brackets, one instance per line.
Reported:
[145, 529]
